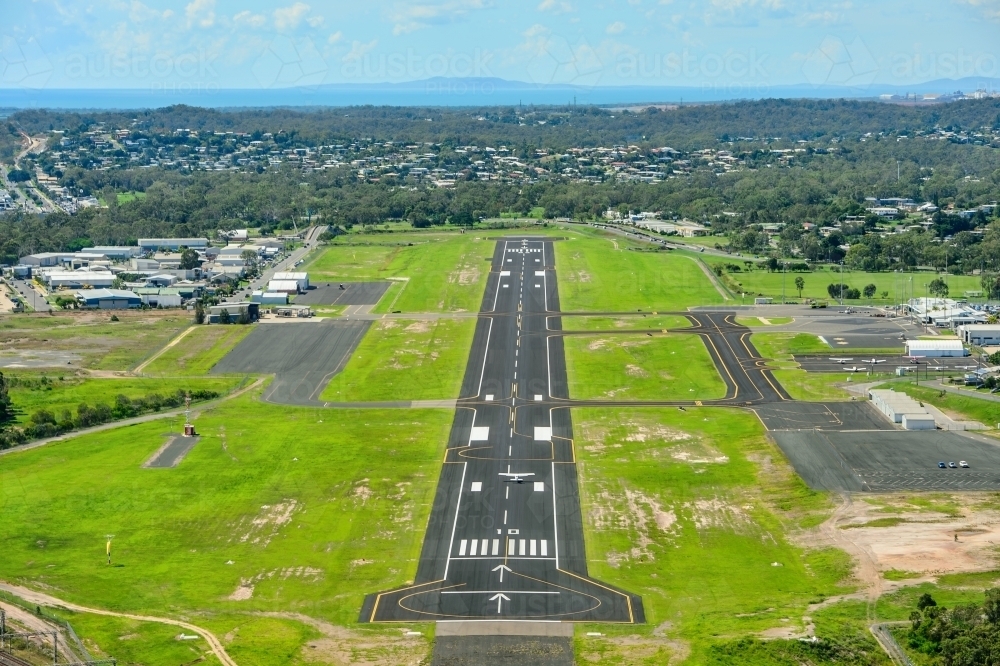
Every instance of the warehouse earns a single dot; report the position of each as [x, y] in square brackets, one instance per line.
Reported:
[901, 408]
[108, 299]
[236, 313]
[301, 278]
[935, 348]
[981, 335]
[269, 297]
[153, 244]
[284, 286]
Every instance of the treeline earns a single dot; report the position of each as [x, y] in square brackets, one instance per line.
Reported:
[966, 634]
[45, 423]
[684, 128]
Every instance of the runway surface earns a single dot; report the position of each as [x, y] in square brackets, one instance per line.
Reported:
[353, 293]
[302, 356]
[500, 547]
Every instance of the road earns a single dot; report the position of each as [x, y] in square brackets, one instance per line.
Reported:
[497, 548]
[286, 264]
[31, 295]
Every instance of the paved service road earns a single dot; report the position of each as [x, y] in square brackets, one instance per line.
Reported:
[31, 295]
[500, 548]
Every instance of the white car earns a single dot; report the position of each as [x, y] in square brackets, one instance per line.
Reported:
[962, 463]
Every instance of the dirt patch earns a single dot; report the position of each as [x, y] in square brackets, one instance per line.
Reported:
[265, 526]
[597, 344]
[342, 646]
[633, 370]
[655, 649]
[247, 585]
[422, 326]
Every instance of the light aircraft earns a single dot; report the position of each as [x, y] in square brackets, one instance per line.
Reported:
[873, 361]
[915, 360]
[515, 477]
[841, 360]
[855, 369]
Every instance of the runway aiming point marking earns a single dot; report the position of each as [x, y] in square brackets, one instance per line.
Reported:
[480, 434]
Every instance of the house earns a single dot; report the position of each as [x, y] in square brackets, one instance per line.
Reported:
[108, 299]
[6, 202]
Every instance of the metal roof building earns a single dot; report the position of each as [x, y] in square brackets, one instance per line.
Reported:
[935, 348]
[108, 299]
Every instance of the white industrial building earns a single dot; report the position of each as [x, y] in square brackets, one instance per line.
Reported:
[301, 278]
[945, 312]
[981, 335]
[936, 348]
[56, 279]
[901, 408]
[285, 286]
[269, 298]
[153, 244]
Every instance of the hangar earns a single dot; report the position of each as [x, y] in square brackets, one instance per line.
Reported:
[935, 348]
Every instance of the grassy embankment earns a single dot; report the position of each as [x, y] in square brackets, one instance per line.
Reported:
[311, 508]
[197, 352]
[406, 360]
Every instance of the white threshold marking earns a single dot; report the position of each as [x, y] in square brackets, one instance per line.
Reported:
[510, 547]
[477, 486]
[539, 486]
[545, 547]
[520, 546]
[543, 434]
[480, 434]
[531, 549]
[496, 547]
[461, 547]
[473, 546]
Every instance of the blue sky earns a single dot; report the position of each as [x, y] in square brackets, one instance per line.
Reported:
[741, 44]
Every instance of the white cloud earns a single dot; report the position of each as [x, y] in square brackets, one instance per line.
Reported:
[745, 12]
[615, 28]
[139, 13]
[247, 18]
[315, 21]
[407, 17]
[555, 6]
[359, 49]
[335, 37]
[201, 12]
[990, 8]
[288, 18]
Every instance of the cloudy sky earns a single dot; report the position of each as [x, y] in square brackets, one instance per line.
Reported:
[741, 44]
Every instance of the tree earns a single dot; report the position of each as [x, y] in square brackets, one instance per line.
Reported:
[250, 260]
[6, 406]
[772, 264]
[869, 291]
[800, 284]
[199, 313]
[189, 260]
[224, 317]
[462, 219]
[938, 288]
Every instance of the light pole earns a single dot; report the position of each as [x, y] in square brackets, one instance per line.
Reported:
[841, 282]
[784, 271]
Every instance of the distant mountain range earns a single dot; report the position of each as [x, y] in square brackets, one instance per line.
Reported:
[465, 92]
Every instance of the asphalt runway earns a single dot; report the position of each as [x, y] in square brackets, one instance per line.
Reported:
[174, 452]
[302, 357]
[496, 547]
[353, 293]
[891, 461]
[886, 363]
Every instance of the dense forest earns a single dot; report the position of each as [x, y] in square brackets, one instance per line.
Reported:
[966, 635]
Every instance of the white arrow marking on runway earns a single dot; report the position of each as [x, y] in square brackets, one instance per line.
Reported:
[501, 568]
[500, 597]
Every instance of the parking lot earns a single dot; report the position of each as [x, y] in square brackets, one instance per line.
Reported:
[889, 461]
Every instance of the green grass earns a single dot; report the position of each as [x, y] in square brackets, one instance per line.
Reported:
[101, 343]
[356, 487]
[986, 412]
[125, 197]
[755, 322]
[690, 510]
[663, 367]
[67, 390]
[198, 351]
[406, 360]
[446, 271]
[814, 386]
[645, 321]
[593, 276]
[762, 283]
[781, 346]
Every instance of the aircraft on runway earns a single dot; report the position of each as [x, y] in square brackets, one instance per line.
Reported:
[855, 369]
[915, 360]
[842, 361]
[873, 361]
[515, 477]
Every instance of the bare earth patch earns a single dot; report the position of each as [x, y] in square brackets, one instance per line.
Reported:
[265, 526]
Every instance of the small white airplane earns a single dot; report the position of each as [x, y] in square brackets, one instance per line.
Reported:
[514, 477]
[873, 361]
[855, 369]
[915, 360]
[841, 360]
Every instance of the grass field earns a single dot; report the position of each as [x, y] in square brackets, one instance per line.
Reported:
[624, 367]
[66, 391]
[815, 386]
[781, 346]
[650, 321]
[762, 283]
[690, 510]
[100, 343]
[302, 510]
[198, 351]
[406, 360]
[446, 271]
[593, 276]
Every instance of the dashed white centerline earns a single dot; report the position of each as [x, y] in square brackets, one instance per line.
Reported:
[504, 522]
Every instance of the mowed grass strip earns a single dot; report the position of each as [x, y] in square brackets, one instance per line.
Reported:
[626, 367]
[406, 360]
[642, 321]
[32, 391]
[691, 511]
[275, 509]
[102, 344]
[814, 386]
[593, 276]
[447, 272]
[198, 351]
